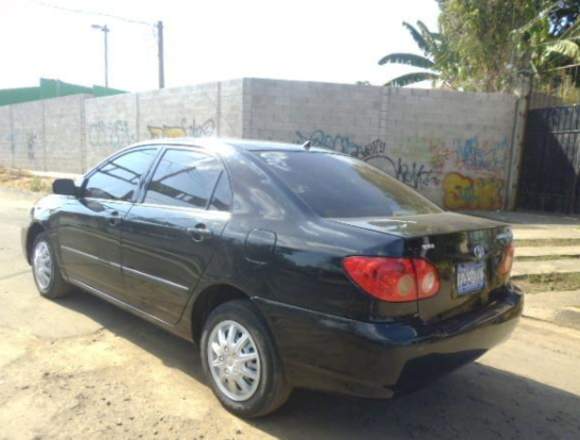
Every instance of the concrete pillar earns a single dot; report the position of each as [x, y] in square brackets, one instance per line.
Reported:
[518, 140]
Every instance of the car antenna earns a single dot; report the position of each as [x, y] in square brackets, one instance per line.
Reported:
[306, 145]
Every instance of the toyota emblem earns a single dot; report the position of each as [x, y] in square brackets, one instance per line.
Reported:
[479, 252]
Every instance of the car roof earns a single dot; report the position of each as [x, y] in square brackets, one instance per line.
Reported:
[216, 144]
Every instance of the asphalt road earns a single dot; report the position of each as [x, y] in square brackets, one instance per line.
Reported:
[80, 368]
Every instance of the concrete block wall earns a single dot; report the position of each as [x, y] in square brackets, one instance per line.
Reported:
[294, 111]
[230, 113]
[186, 111]
[111, 123]
[213, 109]
[453, 147]
[63, 145]
[43, 135]
[73, 133]
[27, 135]
[6, 154]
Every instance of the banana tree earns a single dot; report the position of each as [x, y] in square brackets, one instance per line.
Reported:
[432, 45]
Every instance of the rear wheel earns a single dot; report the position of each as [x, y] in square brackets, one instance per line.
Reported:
[240, 361]
[47, 277]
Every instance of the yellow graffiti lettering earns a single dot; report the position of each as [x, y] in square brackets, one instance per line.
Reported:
[462, 192]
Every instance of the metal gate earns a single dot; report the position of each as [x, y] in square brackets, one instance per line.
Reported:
[550, 163]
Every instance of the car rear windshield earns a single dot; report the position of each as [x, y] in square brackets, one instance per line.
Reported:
[335, 185]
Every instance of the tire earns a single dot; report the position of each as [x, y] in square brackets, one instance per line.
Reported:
[46, 271]
[269, 390]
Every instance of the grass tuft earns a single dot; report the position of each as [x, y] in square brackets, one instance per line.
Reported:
[24, 181]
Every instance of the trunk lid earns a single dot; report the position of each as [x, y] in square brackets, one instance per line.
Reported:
[467, 252]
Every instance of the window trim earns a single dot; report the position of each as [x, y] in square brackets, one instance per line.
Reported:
[110, 159]
[212, 198]
[163, 150]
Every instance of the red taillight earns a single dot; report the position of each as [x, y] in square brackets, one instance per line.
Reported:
[394, 279]
[507, 261]
[427, 279]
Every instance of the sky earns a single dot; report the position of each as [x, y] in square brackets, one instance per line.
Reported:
[315, 40]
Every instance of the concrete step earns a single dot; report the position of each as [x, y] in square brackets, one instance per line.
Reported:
[562, 308]
[541, 251]
[554, 232]
[525, 219]
[561, 265]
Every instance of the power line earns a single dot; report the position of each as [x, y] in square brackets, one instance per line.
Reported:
[92, 13]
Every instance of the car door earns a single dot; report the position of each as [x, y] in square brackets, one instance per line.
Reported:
[89, 226]
[168, 239]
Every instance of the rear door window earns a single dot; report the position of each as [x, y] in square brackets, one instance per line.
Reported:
[335, 185]
[183, 178]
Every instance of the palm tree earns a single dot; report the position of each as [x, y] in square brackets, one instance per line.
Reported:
[431, 44]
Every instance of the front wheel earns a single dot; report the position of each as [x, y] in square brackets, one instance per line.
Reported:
[240, 361]
[47, 277]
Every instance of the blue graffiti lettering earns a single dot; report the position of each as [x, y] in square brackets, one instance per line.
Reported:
[470, 154]
[320, 138]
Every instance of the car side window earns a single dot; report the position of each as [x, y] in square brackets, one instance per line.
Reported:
[119, 178]
[222, 196]
[183, 178]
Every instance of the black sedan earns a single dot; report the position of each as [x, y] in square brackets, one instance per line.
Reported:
[289, 266]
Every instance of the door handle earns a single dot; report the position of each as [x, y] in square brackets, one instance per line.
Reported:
[114, 218]
[199, 232]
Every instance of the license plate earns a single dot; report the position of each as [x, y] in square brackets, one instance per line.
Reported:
[470, 278]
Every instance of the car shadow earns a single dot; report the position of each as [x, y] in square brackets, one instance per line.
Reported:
[477, 401]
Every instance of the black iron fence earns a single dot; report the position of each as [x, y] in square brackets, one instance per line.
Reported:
[549, 178]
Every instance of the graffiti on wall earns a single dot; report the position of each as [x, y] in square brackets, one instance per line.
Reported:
[412, 173]
[439, 153]
[334, 142]
[31, 139]
[111, 134]
[423, 163]
[182, 129]
[118, 133]
[461, 192]
[471, 154]
[415, 174]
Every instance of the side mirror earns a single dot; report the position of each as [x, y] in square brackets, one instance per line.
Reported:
[64, 187]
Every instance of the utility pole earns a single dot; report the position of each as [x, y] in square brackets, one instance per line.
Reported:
[160, 53]
[105, 29]
[159, 27]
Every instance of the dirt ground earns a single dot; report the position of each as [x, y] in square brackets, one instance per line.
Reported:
[80, 368]
[549, 282]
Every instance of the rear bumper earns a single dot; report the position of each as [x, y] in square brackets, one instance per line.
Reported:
[383, 359]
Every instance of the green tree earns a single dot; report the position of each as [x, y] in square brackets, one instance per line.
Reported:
[540, 51]
[433, 47]
[482, 45]
[480, 33]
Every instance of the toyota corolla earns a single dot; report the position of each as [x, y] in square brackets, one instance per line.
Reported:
[288, 266]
